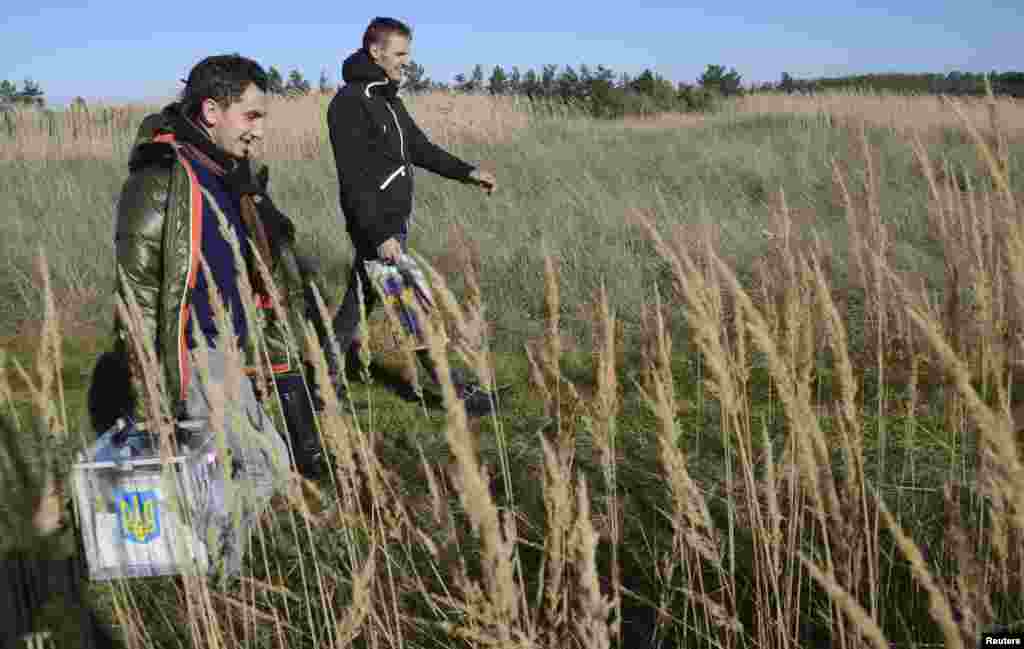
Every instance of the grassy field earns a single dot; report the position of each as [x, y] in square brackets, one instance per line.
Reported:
[762, 366]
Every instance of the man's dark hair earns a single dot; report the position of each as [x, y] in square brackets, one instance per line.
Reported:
[223, 78]
[380, 28]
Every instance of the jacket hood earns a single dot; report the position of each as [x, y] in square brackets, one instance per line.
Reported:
[360, 68]
[172, 120]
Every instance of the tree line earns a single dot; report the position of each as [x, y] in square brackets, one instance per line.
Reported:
[953, 83]
[30, 93]
[599, 91]
[602, 93]
[596, 90]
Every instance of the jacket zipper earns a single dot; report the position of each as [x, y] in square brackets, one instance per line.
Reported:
[401, 136]
[397, 172]
[401, 140]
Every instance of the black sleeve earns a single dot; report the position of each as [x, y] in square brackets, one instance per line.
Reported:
[349, 129]
[428, 155]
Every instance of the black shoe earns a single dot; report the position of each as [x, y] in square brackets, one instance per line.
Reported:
[477, 401]
[311, 465]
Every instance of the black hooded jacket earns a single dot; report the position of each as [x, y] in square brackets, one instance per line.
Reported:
[375, 143]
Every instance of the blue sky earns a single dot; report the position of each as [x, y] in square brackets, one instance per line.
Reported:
[138, 50]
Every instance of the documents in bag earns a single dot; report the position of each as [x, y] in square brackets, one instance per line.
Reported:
[399, 285]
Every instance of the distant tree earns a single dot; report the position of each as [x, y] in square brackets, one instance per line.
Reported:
[548, 77]
[605, 99]
[498, 83]
[530, 85]
[566, 86]
[474, 83]
[604, 74]
[515, 81]
[297, 84]
[416, 79]
[1009, 83]
[786, 84]
[8, 91]
[325, 82]
[660, 94]
[644, 84]
[585, 83]
[30, 94]
[726, 83]
[79, 103]
[476, 79]
[275, 82]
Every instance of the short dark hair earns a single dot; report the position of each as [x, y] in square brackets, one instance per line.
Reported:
[222, 78]
[380, 28]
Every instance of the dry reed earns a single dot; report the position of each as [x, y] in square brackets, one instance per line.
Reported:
[801, 491]
[904, 114]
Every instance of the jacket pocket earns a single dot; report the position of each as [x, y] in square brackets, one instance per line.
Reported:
[391, 178]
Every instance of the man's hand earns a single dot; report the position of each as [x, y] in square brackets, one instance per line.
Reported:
[484, 179]
[390, 251]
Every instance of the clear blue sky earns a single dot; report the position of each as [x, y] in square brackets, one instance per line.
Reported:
[138, 50]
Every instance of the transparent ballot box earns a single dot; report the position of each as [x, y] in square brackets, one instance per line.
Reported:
[136, 512]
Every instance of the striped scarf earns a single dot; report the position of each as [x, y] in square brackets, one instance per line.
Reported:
[249, 212]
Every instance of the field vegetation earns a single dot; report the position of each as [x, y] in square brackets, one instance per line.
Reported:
[763, 365]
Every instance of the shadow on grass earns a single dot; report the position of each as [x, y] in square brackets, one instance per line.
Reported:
[390, 378]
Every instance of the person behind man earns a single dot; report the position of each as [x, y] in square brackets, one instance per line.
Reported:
[376, 143]
[190, 162]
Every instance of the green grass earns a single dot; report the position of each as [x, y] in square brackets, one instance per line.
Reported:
[402, 426]
[570, 186]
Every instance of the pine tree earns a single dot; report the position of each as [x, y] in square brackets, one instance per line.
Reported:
[726, 83]
[416, 79]
[275, 83]
[8, 90]
[498, 84]
[476, 80]
[30, 93]
[548, 76]
[568, 84]
[515, 81]
[530, 85]
[297, 84]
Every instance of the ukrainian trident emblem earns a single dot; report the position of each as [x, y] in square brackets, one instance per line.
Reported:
[138, 516]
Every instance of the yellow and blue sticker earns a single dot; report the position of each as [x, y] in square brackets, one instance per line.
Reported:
[138, 516]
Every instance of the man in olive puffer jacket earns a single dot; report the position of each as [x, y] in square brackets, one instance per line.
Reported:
[190, 167]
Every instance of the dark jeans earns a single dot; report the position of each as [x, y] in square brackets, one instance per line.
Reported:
[346, 321]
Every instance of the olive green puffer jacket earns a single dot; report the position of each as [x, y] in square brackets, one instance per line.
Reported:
[158, 234]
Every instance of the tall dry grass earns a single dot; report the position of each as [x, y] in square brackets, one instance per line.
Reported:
[298, 126]
[297, 131]
[903, 113]
[798, 527]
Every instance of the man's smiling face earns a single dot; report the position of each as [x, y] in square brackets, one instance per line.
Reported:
[392, 54]
[238, 129]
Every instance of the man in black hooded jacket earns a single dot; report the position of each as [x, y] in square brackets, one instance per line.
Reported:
[376, 143]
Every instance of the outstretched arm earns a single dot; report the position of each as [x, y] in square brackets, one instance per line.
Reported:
[428, 155]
